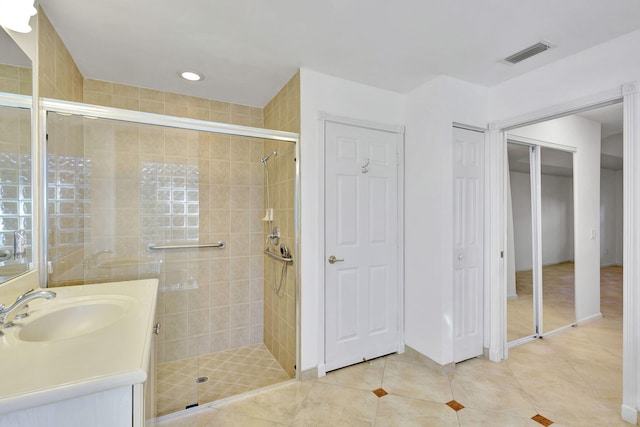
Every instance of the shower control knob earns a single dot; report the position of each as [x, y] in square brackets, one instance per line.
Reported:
[333, 259]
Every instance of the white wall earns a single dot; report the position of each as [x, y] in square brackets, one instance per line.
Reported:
[430, 111]
[320, 93]
[610, 217]
[584, 135]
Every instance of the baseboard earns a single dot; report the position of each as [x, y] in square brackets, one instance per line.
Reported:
[312, 374]
[589, 319]
[414, 356]
[495, 355]
[629, 414]
[401, 348]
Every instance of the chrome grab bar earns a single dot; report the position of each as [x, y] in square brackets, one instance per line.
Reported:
[278, 257]
[154, 247]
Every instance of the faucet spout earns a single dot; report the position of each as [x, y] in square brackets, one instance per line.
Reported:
[8, 314]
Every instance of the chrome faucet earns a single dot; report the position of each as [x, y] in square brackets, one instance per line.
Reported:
[8, 314]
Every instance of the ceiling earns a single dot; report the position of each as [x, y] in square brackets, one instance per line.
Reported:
[248, 49]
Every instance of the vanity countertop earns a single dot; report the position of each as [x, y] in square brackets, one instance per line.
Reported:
[35, 373]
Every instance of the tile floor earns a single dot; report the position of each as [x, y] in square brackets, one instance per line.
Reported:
[570, 379]
[229, 373]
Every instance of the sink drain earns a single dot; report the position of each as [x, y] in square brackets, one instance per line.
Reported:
[201, 380]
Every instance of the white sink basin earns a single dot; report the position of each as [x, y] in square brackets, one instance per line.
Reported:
[73, 317]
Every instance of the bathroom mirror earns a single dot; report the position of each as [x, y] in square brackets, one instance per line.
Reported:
[15, 67]
[16, 232]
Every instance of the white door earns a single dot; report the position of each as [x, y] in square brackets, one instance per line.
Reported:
[361, 220]
[468, 208]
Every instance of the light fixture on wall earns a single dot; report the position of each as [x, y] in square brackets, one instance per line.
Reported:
[15, 14]
[190, 75]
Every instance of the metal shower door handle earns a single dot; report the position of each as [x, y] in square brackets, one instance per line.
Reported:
[333, 259]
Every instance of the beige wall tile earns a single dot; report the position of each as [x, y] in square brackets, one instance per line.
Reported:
[56, 64]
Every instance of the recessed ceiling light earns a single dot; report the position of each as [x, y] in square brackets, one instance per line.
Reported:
[191, 76]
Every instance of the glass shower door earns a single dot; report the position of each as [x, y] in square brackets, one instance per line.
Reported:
[127, 201]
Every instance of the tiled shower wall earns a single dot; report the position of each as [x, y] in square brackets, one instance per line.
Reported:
[59, 77]
[282, 113]
[15, 79]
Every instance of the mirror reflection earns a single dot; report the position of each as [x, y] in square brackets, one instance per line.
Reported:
[15, 67]
[540, 233]
[15, 161]
[558, 290]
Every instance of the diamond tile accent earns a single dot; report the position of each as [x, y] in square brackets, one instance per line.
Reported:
[455, 405]
[542, 420]
[380, 392]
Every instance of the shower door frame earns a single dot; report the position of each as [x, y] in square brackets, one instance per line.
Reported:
[99, 112]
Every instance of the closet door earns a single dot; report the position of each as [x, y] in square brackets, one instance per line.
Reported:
[557, 239]
[521, 320]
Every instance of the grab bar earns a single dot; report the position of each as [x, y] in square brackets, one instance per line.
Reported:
[278, 257]
[154, 247]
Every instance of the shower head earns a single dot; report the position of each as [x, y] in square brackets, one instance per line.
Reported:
[267, 157]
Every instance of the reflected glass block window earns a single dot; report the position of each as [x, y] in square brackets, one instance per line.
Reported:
[15, 197]
[170, 202]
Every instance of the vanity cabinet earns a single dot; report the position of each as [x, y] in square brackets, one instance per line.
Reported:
[129, 406]
[96, 378]
[109, 408]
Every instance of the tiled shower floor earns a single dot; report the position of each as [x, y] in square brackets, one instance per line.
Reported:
[230, 372]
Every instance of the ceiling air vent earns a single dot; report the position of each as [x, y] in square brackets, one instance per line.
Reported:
[528, 52]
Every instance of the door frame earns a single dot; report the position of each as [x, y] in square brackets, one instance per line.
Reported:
[496, 142]
[399, 132]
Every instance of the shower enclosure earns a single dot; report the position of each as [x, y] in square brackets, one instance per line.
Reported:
[134, 195]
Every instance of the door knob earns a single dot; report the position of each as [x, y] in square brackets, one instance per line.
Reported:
[459, 257]
[333, 260]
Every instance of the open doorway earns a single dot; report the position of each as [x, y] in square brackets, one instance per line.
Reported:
[593, 351]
